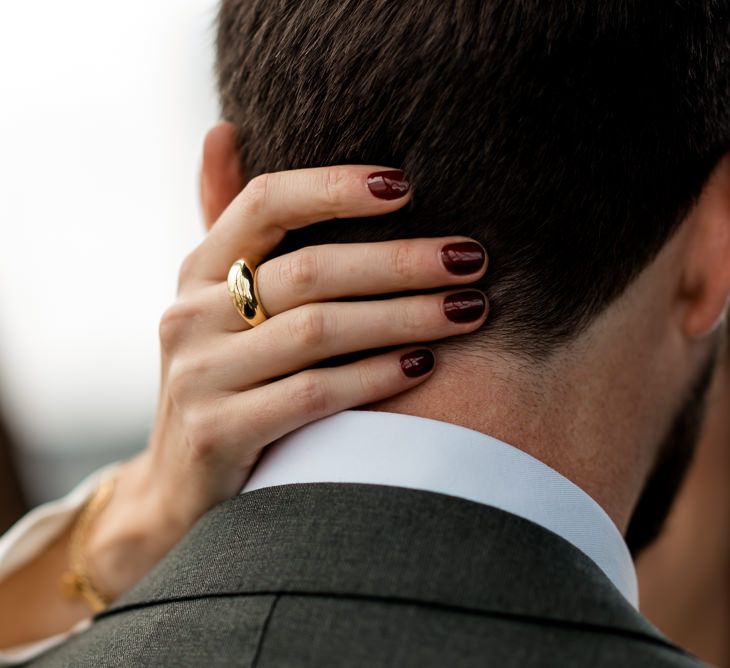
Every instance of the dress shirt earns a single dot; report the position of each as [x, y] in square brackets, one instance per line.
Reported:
[381, 449]
[417, 453]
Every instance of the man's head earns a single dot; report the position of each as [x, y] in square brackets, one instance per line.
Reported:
[571, 138]
[581, 142]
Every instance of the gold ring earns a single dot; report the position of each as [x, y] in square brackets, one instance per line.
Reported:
[244, 293]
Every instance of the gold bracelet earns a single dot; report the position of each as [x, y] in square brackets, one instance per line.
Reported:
[77, 581]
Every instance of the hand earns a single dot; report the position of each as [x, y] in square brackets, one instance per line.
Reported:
[219, 407]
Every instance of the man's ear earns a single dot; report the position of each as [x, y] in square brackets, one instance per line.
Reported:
[221, 175]
[706, 280]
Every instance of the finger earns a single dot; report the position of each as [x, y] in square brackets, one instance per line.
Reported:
[299, 338]
[260, 416]
[334, 271]
[256, 221]
[338, 271]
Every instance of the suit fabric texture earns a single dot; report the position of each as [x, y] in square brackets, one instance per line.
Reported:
[368, 575]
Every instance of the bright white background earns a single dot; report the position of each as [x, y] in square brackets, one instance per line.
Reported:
[103, 108]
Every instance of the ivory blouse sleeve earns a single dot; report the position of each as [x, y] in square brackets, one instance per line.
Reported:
[28, 538]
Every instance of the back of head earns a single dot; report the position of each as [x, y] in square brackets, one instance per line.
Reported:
[570, 137]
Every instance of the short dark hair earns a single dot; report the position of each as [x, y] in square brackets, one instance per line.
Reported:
[571, 137]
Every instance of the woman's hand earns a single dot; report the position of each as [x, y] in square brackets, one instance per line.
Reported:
[219, 407]
[227, 390]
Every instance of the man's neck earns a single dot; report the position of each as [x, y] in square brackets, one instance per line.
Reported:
[599, 409]
[590, 428]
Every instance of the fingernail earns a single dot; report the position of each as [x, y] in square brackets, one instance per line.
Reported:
[466, 257]
[465, 306]
[389, 185]
[418, 363]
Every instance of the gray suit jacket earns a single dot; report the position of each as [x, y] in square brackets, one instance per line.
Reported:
[365, 575]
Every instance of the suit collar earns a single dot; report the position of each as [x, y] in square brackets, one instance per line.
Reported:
[405, 451]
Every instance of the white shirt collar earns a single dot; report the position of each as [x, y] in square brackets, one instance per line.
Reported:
[418, 453]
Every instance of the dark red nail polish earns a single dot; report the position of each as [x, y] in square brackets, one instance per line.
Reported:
[389, 185]
[466, 257]
[465, 306]
[418, 363]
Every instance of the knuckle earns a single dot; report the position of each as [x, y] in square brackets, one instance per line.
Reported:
[412, 317]
[299, 272]
[309, 325]
[370, 382]
[200, 432]
[187, 267]
[405, 263]
[178, 382]
[184, 378]
[311, 394]
[174, 323]
[256, 193]
[335, 179]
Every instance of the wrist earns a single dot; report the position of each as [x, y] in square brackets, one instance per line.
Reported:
[132, 533]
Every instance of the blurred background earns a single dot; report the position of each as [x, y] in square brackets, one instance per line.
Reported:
[104, 109]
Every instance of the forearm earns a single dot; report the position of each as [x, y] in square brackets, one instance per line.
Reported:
[123, 542]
